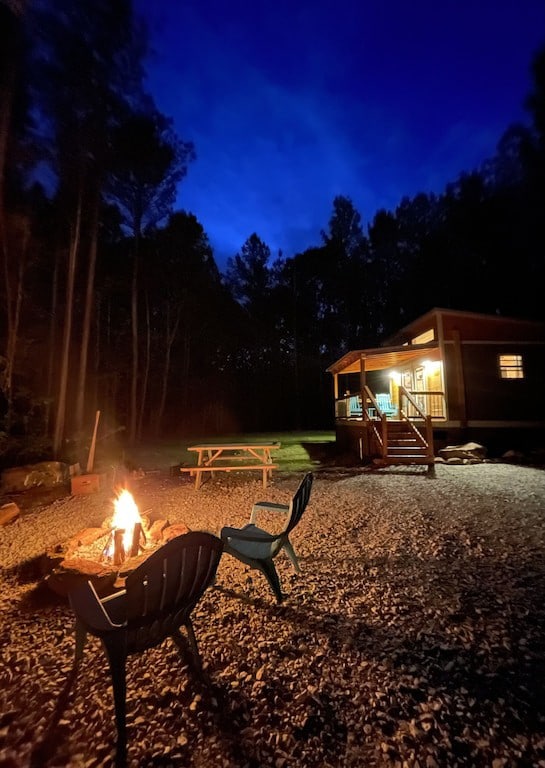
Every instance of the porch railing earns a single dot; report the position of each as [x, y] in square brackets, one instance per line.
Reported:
[415, 404]
[431, 402]
[411, 411]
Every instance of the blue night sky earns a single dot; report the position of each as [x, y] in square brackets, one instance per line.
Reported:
[292, 103]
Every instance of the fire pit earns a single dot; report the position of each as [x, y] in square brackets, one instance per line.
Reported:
[106, 555]
[127, 537]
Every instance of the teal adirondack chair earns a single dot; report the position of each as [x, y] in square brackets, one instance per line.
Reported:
[384, 402]
[257, 547]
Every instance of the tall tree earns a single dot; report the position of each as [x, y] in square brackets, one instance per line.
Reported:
[345, 277]
[345, 229]
[149, 162]
[87, 61]
[14, 239]
[248, 274]
[187, 280]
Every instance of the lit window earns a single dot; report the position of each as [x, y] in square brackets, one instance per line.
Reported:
[424, 338]
[511, 367]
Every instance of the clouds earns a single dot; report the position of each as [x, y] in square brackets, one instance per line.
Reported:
[290, 104]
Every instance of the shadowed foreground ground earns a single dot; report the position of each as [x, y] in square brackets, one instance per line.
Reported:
[415, 635]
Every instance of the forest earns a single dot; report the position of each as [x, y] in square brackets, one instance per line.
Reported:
[112, 300]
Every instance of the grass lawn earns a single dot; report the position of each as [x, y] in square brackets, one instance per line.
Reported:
[299, 451]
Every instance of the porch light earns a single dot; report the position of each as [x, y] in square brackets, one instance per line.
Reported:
[396, 377]
[431, 365]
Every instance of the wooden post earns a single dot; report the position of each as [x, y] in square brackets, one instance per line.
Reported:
[136, 532]
[119, 549]
[91, 459]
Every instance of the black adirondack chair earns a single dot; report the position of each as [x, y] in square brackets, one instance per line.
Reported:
[158, 598]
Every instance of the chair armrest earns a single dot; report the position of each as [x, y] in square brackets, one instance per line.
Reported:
[88, 607]
[250, 541]
[267, 506]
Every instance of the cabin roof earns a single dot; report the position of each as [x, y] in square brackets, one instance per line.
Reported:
[431, 318]
[396, 351]
[380, 357]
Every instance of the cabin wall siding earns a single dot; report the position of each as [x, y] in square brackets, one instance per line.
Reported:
[489, 397]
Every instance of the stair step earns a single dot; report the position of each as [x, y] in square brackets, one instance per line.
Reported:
[407, 447]
[408, 442]
[404, 445]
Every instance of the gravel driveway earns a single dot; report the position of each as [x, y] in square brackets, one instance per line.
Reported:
[414, 636]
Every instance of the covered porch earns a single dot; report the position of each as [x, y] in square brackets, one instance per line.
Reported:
[387, 400]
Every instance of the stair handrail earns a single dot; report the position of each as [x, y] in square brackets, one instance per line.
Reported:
[426, 418]
[405, 393]
[368, 396]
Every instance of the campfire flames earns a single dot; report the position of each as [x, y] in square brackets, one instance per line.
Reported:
[109, 553]
[127, 536]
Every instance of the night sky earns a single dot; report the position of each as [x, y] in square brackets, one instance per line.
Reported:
[292, 103]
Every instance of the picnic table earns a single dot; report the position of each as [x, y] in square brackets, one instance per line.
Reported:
[231, 457]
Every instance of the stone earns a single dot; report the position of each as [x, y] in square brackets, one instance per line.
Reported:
[73, 572]
[155, 533]
[46, 474]
[174, 530]
[464, 451]
[85, 538]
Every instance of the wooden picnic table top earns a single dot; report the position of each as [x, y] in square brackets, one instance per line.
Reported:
[211, 457]
[248, 445]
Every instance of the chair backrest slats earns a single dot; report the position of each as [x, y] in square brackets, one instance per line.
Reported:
[384, 402]
[164, 584]
[178, 573]
[199, 574]
[183, 573]
[206, 566]
[299, 501]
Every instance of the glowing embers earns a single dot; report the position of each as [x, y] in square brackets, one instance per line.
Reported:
[127, 537]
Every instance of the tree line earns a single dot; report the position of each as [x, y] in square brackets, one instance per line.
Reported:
[113, 300]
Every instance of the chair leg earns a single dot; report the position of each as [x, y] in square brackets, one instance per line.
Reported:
[292, 556]
[194, 658]
[269, 571]
[117, 659]
[81, 637]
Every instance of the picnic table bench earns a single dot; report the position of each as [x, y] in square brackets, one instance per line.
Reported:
[231, 457]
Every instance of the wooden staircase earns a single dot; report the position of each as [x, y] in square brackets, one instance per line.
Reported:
[405, 444]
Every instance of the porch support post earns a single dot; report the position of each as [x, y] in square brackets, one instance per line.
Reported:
[459, 378]
[365, 443]
[362, 380]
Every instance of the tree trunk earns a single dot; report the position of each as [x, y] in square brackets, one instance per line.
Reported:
[52, 356]
[10, 56]
[10, 37]
[14, 300]
[87, 317]
[184, 384]
[145, 378]
[67, 332]
[171, 334]
[134, 321]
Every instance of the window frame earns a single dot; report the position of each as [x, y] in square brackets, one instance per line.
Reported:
[511, 366]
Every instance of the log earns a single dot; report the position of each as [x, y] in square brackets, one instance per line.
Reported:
[9, 512]
[91, 459]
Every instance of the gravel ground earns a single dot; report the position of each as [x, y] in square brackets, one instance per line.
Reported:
[414, 636]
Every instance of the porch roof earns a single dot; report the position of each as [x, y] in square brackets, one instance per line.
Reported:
[384, 357]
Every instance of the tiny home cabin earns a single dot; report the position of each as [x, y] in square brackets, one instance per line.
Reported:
[444, 379]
